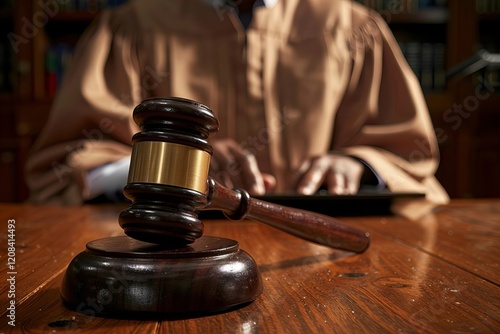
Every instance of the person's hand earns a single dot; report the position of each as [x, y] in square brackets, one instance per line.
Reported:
[340, 174]
[235, 167]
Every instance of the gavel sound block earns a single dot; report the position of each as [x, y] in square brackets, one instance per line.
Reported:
[164, 265]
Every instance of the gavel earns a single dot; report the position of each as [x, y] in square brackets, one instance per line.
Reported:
[169, 181]
[164, 265]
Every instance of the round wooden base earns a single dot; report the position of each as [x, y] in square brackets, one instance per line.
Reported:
[121, 275]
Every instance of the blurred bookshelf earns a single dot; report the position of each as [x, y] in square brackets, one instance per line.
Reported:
[434, 35]
[35, 50]
[421, 28]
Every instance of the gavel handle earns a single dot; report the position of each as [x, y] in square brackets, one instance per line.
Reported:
[314, 227]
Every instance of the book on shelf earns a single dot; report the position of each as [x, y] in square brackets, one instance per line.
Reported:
[57, 59]
[427, 62]
[400, 6]
[91, 6]
[487, 6]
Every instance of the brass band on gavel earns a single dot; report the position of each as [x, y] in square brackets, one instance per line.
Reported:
[169, 164]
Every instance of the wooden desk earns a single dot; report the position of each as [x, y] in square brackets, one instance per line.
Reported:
[439, 274]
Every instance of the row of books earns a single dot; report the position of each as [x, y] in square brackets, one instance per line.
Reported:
[488, 6]
[59, 56]
[57, 59]
[87, 5]
[402, 5]
[427, 61]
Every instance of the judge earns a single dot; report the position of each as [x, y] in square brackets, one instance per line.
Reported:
[310, 94]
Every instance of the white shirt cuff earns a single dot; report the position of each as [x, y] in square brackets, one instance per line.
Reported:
[107, 179]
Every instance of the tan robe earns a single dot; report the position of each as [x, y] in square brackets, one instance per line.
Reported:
[306, 78]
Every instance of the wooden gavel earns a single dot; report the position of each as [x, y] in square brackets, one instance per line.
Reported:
[168, 182]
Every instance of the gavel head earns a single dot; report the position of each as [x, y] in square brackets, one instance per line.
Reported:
[168, 173]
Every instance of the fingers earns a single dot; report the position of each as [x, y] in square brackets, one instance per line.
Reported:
[337, 183]
[343, 183]
[235, 167]
[249, 172]
[218, 164]
[340, 174]
[313, 177]
[269, 182]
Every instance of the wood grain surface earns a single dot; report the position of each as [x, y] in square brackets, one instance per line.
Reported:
[437, 274]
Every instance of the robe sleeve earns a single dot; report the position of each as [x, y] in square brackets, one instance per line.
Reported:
[90, 123]
[383, 118]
